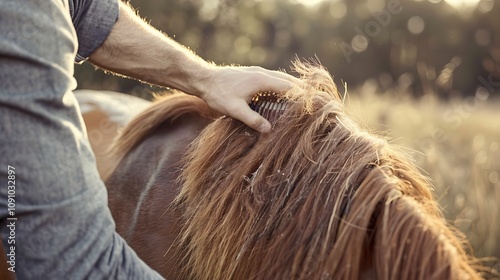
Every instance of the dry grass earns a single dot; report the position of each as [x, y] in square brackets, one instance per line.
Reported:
[457, 143]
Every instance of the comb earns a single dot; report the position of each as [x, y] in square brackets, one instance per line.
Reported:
[268, 104]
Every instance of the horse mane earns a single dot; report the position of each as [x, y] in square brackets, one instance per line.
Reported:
[317, 198]
[165, 108]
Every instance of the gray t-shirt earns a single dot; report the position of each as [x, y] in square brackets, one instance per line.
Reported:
[54, 219]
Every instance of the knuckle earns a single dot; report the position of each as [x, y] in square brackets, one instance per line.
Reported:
[259, 78]
[256, 68]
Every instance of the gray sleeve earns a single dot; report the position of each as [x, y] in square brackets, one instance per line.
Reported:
[93, 20]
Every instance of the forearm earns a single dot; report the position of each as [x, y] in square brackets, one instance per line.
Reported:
[137, 50]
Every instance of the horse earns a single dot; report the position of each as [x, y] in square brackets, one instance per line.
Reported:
[105, 113]
[202, 196]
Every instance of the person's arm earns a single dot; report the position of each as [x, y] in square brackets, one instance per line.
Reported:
[137, 50]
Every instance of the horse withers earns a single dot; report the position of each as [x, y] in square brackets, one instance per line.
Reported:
[104, 114]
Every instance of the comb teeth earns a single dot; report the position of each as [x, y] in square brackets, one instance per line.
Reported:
[269, 105]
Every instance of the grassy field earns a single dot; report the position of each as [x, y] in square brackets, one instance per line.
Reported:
[457, 143]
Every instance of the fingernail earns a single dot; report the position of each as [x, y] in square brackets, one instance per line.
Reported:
[265, 127]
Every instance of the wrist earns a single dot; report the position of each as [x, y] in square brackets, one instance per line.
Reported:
[190, 74]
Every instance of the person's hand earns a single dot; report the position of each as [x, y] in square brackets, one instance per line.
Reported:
[229, 90]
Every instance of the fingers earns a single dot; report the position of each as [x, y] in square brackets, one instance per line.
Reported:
[277, 82]
[250, 118]
[234, 87]
[284, 76]
[290, 80]
[266, 80]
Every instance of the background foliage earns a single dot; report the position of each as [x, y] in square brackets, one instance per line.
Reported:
[425, 42]
[427, 72]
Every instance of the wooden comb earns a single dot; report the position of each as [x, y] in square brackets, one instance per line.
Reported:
[268, 104]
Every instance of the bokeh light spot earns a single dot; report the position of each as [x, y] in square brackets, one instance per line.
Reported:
[209, 10]
[242, 44]
[485, 6]
[478, 142]
[338, 10]
[481, 157]
[359, 43]
[416, 25]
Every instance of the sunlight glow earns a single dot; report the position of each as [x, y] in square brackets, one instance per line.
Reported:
[309, 2]
[462, 3]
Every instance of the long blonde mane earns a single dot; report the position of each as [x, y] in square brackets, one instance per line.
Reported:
[317, 198]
